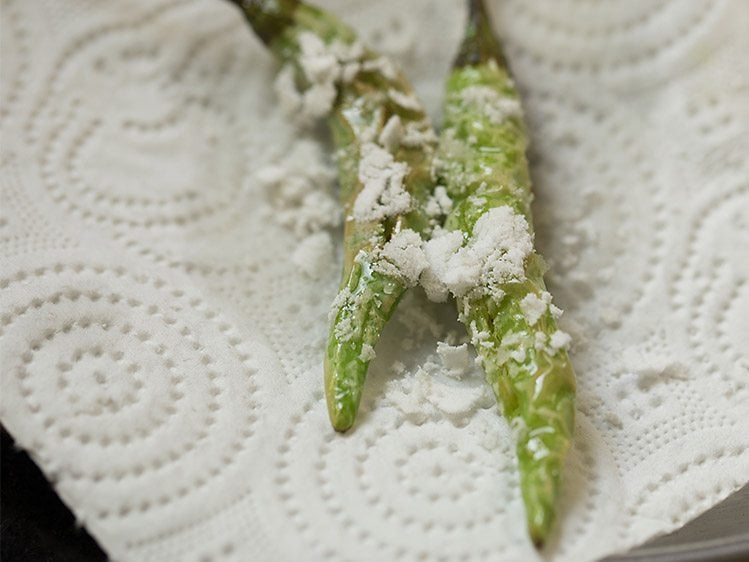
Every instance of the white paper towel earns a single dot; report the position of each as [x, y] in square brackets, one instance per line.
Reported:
[161, 352]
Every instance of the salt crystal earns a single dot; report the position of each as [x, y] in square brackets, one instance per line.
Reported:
[518, 355]
[495, 253]
[448, 269]
[406, 101]
[340, 300]
[402, 257]
[318, 100]
[455, 359]
[439, 204]
[383, 193]
[418, 134]
[560, 340]
[391, 134]
[383, 65]
[367, 352]
[494, 105]
[535, 306]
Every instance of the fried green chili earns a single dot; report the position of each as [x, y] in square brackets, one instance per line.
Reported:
[509, 316]
[385, 144]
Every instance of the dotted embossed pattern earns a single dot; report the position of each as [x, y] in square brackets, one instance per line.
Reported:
[161, 354]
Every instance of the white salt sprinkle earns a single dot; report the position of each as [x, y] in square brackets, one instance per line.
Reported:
[391, 134]
[535, 306]
[406, 101]
[495, 253]
[494, 105]
[367, 352]
[383, 193]
[560, 340]
[455, 359]
[402, 257]
[418, 133]
[439, 204]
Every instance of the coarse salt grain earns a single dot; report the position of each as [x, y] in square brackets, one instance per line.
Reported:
[402, 257]
[317, 61]
[323, 66]
[383, 193]
[494, 254]
[455, 358]
[383, 65]
[439, 203]
[318, 100]
[449, 270]
[418, 134]
[367, 353]
[406, 101]
[480, 337]
[495, 106]
[560, 340]
[344, 329]
[391, 134]
[535, 306]
[518, 355]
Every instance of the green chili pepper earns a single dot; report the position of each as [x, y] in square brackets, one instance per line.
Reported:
[385, 144]
[481, 161]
